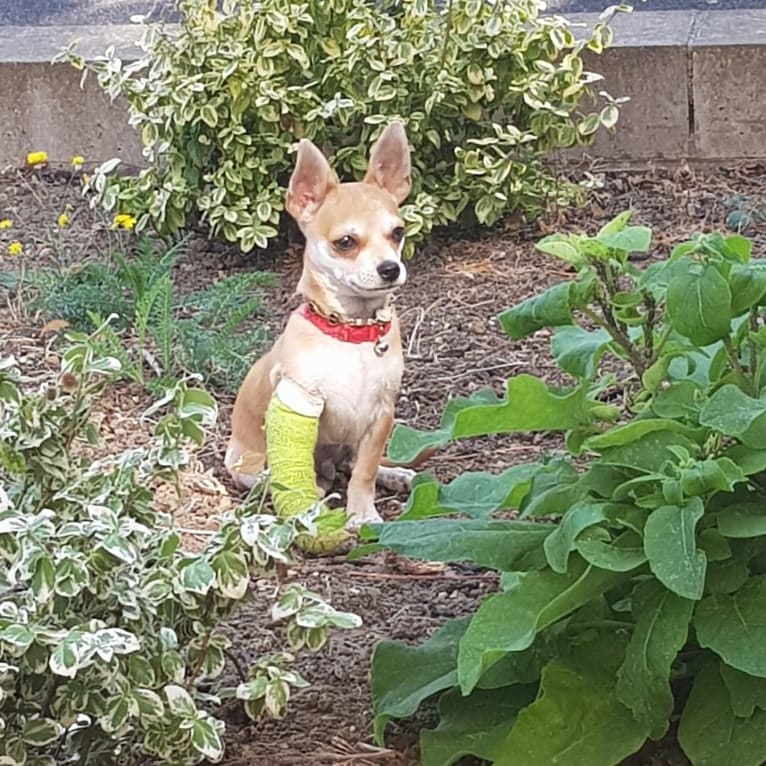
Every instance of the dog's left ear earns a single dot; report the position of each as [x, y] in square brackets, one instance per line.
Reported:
[389, 166]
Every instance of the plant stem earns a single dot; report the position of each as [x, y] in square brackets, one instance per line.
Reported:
[733, 355]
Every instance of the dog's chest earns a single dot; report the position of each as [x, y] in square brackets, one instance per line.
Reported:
[358, 386]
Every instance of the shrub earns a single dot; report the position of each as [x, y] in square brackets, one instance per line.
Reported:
[486, 90]
[644, 604]
[111, 634]
[156, 329]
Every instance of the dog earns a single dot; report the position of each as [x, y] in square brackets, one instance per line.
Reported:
[340, 355]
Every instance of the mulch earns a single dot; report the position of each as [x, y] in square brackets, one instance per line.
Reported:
[453, 346]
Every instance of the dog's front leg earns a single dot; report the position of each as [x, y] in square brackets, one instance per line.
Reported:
[361, 487]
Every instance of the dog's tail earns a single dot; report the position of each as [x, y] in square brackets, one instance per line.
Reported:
[415, 463]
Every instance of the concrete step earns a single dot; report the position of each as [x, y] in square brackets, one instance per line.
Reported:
[696, 79]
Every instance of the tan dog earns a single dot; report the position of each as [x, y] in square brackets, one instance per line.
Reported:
[340, 355]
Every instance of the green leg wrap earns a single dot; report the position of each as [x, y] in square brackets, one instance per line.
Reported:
[290, 442]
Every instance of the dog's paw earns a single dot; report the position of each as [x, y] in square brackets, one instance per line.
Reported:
[357, 521]
[396, 480]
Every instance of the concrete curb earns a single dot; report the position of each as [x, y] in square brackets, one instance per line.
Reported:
[696, 79]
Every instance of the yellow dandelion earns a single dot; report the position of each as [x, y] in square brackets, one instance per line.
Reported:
[37, 158]
[123, 221]
[62, 220]
[5, 223]
[77, 161]
[15, 248]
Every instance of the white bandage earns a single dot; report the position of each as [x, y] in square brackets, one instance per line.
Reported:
[298, 399]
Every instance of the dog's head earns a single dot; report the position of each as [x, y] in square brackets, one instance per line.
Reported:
[354, 233]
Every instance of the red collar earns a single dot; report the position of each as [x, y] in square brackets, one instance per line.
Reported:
[371, 331]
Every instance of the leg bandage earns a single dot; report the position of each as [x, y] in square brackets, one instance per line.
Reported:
[290, 442]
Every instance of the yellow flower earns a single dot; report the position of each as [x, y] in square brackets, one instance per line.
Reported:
[77, 161]
[6, 223]
[62, 220]
[37, 158]
[15, 248]
[123, 221]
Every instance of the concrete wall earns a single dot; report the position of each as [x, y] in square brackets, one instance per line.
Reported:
[696, 79]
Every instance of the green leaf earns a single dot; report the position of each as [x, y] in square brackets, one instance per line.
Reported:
[576, 719]
[622, 554]
[403, 676]
[561, 542]
[734, 626]
[197, 577]
[475, 494]
[206, 738]
[742, 520]
[671, 547]
[699, 303]
[529, 405]
[561, 246]
[496, 544]
[634, 431]
[746, 692]
[748, 286]
[709, 732]
[733, 413]
[39, 732]
[631, 239]
[577, 351]
[475, 725]
[509, 621]
[551, 308]
[643, 681]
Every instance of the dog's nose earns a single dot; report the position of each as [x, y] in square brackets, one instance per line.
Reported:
[389, 270]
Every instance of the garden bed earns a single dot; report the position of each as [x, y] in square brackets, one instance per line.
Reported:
[453, 346]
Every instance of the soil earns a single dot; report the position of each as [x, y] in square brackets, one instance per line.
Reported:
[453, 346]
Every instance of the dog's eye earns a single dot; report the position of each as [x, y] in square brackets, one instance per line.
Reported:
[345, 243]
[397, 234]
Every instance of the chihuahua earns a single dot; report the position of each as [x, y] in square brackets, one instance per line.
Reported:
[340, 356]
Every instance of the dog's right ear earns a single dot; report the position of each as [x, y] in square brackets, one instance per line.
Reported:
[310, 182]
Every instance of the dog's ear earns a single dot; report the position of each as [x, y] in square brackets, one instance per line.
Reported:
[390, 162]
[310, 182]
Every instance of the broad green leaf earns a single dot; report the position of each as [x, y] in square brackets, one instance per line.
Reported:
[643, 681]
[496, 544]
[699, 303]
[475, 494]
[562, 247]
[623, 554]
[475, 725]
[709, 732]
[747, 519]
[403, 676]
[551, 308]
[509, 621]
[649, 453]
[671, 547]
[631, 239]
[529, 405]
[576, 719]
[561, 542]
[682, 399]
[746, 692]
[617, 224]
[629, 433]
[407, 443]
[577, 351]
[733, 413]
[748, 286]
[749, 460]
[734, 626]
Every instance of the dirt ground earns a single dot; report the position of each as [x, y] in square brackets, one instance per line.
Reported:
[453, 346]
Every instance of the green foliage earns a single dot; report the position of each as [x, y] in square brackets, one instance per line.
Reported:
[653, 581]
[112, 636]
[485, 90]
[156, 329]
